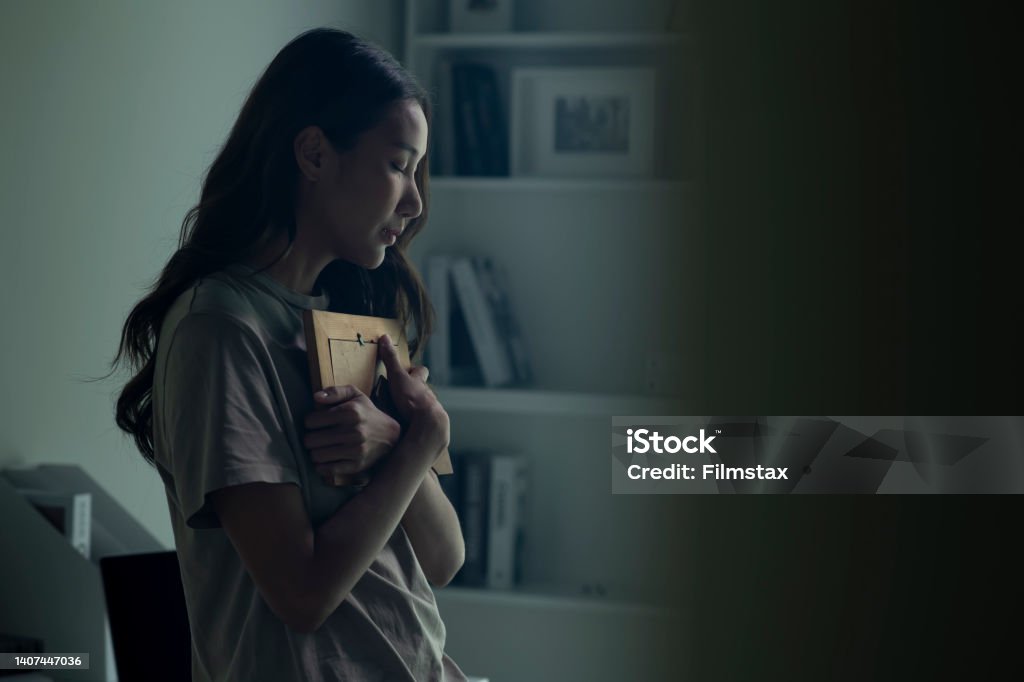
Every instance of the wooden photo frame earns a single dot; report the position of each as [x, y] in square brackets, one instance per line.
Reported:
[342, 350]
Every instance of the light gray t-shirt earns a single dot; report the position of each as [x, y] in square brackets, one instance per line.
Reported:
[230, 394]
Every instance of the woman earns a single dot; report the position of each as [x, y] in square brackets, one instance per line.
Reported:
[310, 204]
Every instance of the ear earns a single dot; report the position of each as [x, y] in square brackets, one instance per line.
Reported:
[309, 152]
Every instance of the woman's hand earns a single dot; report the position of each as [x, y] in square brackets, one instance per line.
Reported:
[415, 403]
[350, 435]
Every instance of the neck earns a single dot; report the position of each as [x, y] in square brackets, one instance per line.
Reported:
[298, 270]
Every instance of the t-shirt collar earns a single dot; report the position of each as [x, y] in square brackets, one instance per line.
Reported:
[318, 301]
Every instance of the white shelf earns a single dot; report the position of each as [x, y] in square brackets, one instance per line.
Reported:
[538, 402]
[550, 40]
[531, 184]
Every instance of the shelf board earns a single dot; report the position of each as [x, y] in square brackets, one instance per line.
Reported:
[550, 40]
[526, 597]
[540, 402]
[461, 183]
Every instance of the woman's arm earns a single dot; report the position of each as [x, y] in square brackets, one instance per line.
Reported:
[348, 542]
[430, 521]
[304, 574]
[433, 529]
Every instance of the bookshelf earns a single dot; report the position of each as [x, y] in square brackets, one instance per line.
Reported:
[585, 259]
[566, 35]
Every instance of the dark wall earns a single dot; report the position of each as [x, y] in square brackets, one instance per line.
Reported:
[863, 213]
[863, 174]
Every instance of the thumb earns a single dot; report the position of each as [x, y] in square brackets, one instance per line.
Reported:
[390, 357]
[336, 394]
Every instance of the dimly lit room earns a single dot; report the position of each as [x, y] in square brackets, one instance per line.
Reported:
[323, 318]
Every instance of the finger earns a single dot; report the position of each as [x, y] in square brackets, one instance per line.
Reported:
[419, 372]
[334, 438]
[389, 356]
[328, 438]
[336, 394]
[339, 415]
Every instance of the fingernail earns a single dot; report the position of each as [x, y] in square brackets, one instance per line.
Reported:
[321, 394]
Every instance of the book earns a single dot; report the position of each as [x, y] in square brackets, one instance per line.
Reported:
[506, 492]
[493, 281]
[488, 344]
[449, 354]
[479, 140]
[443, 159]
[490, 121]
[469, 151]
[489, 498]
[473, 512]
[465, 366]
[69, 513]
[439, 346]
[342, 350]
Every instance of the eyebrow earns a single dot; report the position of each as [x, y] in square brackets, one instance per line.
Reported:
[408, 148]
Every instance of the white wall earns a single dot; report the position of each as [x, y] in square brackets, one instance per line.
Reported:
[111, 112]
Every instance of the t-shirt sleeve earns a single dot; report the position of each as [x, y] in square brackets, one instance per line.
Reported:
[223, 424]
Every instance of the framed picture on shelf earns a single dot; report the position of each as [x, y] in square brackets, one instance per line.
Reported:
[467, 16]
[583, 122]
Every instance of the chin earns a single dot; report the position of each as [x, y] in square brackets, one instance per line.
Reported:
[373, 262]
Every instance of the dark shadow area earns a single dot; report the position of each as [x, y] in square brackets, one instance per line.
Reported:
[863, 230]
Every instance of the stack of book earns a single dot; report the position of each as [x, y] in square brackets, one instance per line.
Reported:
[474, 131]
[488, 491]
[477, 339]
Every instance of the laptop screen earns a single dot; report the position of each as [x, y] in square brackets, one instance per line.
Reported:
[148, 618]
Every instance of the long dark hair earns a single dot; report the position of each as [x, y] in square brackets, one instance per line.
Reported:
[324, 77]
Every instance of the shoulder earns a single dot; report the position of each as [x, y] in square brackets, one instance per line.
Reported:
[223, 296]
[215, 309]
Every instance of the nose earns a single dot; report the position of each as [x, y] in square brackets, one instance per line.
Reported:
[411, 204]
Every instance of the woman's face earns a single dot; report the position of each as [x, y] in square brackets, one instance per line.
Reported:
[364, 197]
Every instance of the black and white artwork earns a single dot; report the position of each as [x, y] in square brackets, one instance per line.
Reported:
[583, 122]
[592, 124]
